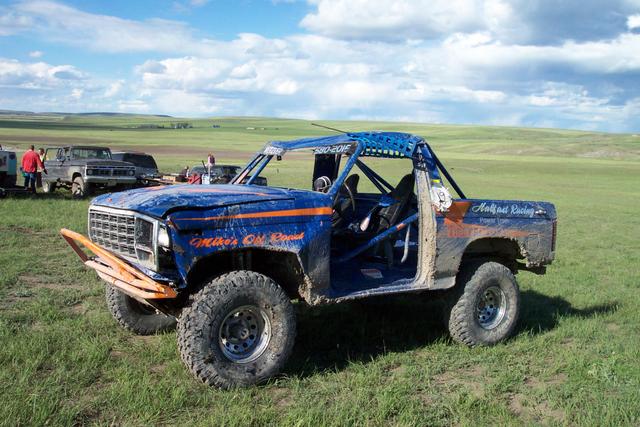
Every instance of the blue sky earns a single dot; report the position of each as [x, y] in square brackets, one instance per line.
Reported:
[569, 63]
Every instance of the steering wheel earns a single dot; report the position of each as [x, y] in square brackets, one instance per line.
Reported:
[322, 184]
[339, 209]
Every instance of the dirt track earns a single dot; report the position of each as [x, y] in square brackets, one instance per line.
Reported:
[10, 142]
[166, 150]
[155, 150]
[50, 140]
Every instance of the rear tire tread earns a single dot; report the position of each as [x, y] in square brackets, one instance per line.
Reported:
[462, 326]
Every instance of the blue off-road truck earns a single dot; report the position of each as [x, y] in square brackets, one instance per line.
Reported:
[226, 261]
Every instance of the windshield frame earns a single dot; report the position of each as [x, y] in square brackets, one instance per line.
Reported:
[257, 164]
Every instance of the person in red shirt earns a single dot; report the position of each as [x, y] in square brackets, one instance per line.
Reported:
[30, 163]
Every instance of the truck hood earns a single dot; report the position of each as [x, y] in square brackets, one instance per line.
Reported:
[160, 201]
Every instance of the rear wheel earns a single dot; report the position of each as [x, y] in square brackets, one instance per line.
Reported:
[485, 306]
[136, 316]
[239, 330]
[79, 188]
[48, 186]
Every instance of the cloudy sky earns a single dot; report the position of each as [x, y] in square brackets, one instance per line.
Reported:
[564, 63]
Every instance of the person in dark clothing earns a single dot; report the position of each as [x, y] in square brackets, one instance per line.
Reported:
[39, 172]
[30, 164]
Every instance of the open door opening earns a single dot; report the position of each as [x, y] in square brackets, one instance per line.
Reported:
[374, 238]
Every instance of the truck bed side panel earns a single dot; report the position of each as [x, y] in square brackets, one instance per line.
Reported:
[528, 224]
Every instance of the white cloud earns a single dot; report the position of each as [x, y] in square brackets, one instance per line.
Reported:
[77, 93]
[37, 75]
[133, 106]
[62, 23]
[318, 77]
[444, 61]
[392, 20]
[565, 95]
[633, 22]
[422, 92]
[471, 55]
[36, 54]
[39, 86]
[114, 89]
[12, 22]
[511, 21]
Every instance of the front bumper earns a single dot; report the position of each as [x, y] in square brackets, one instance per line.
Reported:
[113, 270]
[110, 181]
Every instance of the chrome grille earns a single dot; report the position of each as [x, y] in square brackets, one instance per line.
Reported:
[110, 170]
[121, 172]
[113, 231]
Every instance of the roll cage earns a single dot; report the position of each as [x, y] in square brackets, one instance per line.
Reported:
[356, 239]
[328, 152]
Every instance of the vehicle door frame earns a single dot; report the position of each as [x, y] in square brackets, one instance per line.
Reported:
[424, 171]
[53, 165]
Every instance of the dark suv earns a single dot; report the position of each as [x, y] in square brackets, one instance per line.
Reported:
[85, 168]
[146, 167]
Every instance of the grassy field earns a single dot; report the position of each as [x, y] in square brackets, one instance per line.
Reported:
[573, 361]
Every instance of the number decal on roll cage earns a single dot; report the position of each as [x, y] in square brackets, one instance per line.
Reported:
[273, 151]
[333, 149]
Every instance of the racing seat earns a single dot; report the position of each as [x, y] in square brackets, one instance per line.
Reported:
[392, 208]
[402, 194]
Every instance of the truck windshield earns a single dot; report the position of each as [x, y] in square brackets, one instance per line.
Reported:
[91, 153]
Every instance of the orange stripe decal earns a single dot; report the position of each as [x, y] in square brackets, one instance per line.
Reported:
[268, 214]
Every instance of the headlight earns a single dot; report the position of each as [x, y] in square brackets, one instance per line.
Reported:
[89, 171]
[145, 252]
[163, 237]
[153, 244]
[131, 173]
[144, 233]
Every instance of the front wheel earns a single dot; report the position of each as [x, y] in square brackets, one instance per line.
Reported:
[238, 331]
[79, 188]
[136, 316]
[485, 307]
[48, 186]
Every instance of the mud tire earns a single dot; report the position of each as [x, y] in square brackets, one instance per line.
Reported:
[48, 186]
[462, 318]
[79, 188]
[201, 324]
[135, 316]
